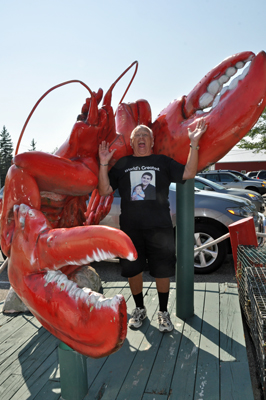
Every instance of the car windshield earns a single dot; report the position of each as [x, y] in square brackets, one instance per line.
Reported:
[173, 187]
[250, 174]
[240, 177]
[210, 183]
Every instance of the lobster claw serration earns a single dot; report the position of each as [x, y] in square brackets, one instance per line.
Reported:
[85, 320]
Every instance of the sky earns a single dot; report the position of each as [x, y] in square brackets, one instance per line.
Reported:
[44, 43]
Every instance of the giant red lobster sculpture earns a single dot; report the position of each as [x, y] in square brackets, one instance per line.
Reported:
[45, 227]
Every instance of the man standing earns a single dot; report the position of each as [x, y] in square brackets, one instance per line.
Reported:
[148, 223]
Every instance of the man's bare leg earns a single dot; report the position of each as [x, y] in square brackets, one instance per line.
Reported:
[163, 284]
[136, 284]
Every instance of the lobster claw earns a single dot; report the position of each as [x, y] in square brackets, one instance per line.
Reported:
[209, 88]
[76, 316]
[234, 110]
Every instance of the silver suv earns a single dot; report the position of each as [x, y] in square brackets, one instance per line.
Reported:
[254, 197]
[213, 213]
[230, 180]
[261, 174]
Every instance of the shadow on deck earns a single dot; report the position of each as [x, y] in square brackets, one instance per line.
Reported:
[203, 358]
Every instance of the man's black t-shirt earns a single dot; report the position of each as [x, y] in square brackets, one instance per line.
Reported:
[143, 184]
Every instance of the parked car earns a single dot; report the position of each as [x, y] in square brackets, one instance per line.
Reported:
[230, 180]
[214, 212]
[261, 174]
[254, 197]
[251, 174]
[240, 174]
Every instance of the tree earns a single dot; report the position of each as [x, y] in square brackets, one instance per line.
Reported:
[255, 140]
[53, 152]
[6, 153]
[33, 145]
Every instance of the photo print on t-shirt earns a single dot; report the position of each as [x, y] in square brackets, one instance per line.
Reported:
[143, 185]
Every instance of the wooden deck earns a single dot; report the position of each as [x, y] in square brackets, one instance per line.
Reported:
[203, 358]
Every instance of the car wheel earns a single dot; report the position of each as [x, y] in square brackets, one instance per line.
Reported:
[254, 189]
[211, 258]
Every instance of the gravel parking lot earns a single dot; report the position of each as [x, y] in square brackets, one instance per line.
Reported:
[110, 271]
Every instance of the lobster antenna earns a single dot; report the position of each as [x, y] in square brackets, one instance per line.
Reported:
[107, 97]
[38, 102]
[132, 79]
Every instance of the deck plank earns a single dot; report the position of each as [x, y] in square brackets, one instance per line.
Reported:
[12, 326]
[203, 358]
[114, 371]
[5, 318]
[235, 381]
[207, 379]
[182, 387]
[23, 370]
[25, 354]
[33, 385]
[235, 376]
[160, 378]
[14, 341]
[233, 346]
[95, 365]
[149, 396]
[136, 380]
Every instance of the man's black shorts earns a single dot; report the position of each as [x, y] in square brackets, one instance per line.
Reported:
[157, 245]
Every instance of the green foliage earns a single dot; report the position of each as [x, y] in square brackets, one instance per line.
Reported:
[54, 151]
[255, 140]
[33, 145]
[6, 153]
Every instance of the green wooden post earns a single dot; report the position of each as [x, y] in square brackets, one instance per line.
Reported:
[73, 373]
[185, 249]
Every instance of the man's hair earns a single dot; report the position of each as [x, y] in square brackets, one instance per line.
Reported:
[147, 173]
[136, 187]
[141, 127]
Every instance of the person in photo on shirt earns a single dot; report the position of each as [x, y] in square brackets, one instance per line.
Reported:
[148, 188]
[138, 193]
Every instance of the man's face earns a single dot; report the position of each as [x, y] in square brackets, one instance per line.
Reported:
[141, 143]
[145, 180]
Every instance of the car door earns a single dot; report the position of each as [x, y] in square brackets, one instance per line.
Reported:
[202, 186]
[212, 177]
[261, 175]
[230, 181]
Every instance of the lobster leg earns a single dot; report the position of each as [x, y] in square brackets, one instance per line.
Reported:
[58, 174]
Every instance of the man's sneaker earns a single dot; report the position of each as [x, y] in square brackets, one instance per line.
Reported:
[165, 324]
[137, 316]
